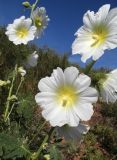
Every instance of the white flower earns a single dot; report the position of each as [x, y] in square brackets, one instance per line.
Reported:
[21, 31]
[72, 133]
[40, 20]
[32, 60]
[98, 33]
[66, 97]
[22, 71]
[108, 87]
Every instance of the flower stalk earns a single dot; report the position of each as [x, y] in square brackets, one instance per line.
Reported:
[89, 67]
[22, 79]
[36, 155]
[10, 94]
[34, 6]
[39, 129]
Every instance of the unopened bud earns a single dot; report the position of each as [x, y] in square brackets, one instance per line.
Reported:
[22, 71]
[45, 145]
[12, 98]
[4, 83]
[26, 4]
[47, 156]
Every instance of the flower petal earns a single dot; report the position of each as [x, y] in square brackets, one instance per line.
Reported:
[82, 82]
[103, 12]
[44, 98]
[58, 76]
[90, 95]
[55, 115]
[71, 73]
[47, 84]
[112, 17]
[84, 110]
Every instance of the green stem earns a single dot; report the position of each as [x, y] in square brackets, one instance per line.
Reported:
[39, 129]
[10, 111]
[34, 6]
[26, 150]
[36, 155]
[89, 67]
[37, 1]
[22, 79]
[51, 132]
[10, 93]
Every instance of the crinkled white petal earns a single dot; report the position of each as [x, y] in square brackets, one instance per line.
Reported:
[47, 84]
[108, 95]
[108, 89]
[44, 98]
[112, 17]
[58, 75]
[32, 60]
[71, 73]
[84, 110]
[82, 82]
[89, 95]
[72, 118]
[103, 12]
[56, 115]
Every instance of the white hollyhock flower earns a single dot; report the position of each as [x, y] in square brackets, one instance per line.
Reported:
[72, 133]
[32, 60]
[21, 31]
[40, 20]
[66, 97]
[98, 33]
[108, 87]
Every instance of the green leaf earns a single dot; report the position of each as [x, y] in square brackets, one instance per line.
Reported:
[26, 106]
[11, 146]
[54, 153]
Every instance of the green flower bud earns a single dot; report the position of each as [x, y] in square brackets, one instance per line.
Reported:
[26, 4]
[22, 71]
[12, 98]
[4, 83]
[47, 156]
[45, 145]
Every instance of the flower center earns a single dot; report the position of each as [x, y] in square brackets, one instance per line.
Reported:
[22, 32]
[38, 22]
[100, 33]
[66, 96]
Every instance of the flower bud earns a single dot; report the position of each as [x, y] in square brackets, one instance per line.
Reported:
[12, 98]
[22, 71]
[47, 156]
[26, 4]
[32, 60]
[45, 145]
[4, 83]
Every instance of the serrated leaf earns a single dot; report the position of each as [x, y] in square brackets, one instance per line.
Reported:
[26, 106]
[10, 146]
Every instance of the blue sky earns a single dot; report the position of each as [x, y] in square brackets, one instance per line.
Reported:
[66, 18]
